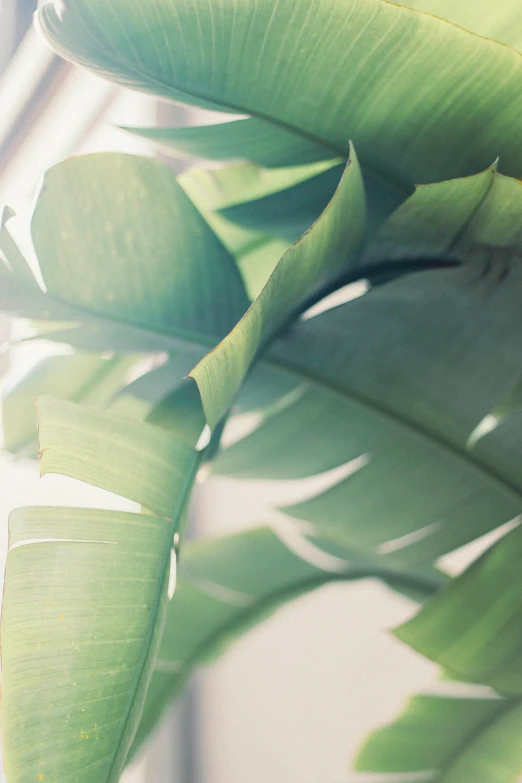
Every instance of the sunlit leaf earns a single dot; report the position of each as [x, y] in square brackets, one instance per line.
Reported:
[85, 597]
[330, 246]
[334, 70]
[82, 377]
[474, 628]
[400, 379]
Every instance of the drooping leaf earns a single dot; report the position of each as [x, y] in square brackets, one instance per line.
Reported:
[474, 627]
[330, 246]
[335, 70]
[132, 459]
[150, 388]
[443, 739]
[228, 585]
[181, 413]
[277, 202]
[289, 211]
[85, 597]
[252, 139]
[241, 202]
[399, 379]
[82, 377]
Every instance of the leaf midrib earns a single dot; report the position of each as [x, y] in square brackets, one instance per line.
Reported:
[411, 427]
[200, 340]
[232, 108]
[145, 75]
[192, 339]
[154, 617]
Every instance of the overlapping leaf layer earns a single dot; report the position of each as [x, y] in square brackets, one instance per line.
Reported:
[382, 148]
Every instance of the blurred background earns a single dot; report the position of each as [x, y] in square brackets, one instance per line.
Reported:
[291, 702]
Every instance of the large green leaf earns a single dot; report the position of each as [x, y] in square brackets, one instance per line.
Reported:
[333, 70]
[227, 585]
[82, 377]
[85, 597]
[241, 202]
[474, 628]
[403, 380]
[430, 224]
[444, 739]
[161, 267]
[180, 413]
[132, 459]
[411, 403]
[329, 247]
[252, 139]
[126, 254]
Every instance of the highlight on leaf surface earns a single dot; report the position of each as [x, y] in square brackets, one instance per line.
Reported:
[454, 96]
[86, 596]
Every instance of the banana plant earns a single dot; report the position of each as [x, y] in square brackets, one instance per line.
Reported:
[379, 146]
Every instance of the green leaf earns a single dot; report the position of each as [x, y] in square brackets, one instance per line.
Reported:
[392, 406]
[11, 251]
[501, 21]
[439, 739]
[321, 254]
[83, 377]
[291, 210]
[129, 210]
[252, 139]
[180, 413]
[79, 633]
[228, 585]
[155, 385]
[473, 628]
[257, 263]
[454, 97]
[85, 597]
[431, 223]
[241, 202]
[282, 202]
[399, 380]
[148, 272]
[132, 459]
